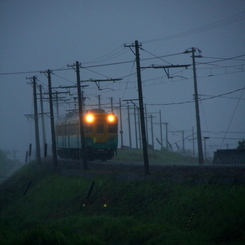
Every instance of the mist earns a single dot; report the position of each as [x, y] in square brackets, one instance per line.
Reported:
[36, 36]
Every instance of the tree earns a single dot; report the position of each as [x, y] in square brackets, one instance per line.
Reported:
[241, 145]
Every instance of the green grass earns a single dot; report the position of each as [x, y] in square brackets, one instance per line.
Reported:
[54, 211]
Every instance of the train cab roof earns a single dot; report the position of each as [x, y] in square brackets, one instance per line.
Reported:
[95, 110]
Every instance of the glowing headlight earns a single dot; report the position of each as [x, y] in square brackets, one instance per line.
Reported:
[111, 118]
[89, 118]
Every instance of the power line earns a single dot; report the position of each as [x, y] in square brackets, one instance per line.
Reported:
[191, 101]
[220, 95]
[131, 73]
[240, 66]
[18, 73]
[91, 66]
[232, 117]
[28, 72]
[156, 56]
[108, 56]
[214, 25]
[220, 60]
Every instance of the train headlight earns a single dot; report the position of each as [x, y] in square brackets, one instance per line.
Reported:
[111, 118]
[89, 118]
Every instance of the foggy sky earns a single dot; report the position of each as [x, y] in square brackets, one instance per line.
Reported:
[41, 35]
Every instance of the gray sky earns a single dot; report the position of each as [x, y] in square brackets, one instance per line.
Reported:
[41, 35]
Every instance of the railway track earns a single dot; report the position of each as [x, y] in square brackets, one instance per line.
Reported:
[196, 174]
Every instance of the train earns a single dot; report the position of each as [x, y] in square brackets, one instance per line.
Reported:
[100, 133]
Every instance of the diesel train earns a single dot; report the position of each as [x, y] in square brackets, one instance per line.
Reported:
[101, 135]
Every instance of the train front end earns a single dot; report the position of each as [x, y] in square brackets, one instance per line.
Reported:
[101, 134]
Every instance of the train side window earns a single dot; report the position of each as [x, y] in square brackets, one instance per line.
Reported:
[112, 128]
[88, 128]
[73, 129]
[100, 128]
[60, 130]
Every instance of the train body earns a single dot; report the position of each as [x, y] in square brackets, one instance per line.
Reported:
[101, 135]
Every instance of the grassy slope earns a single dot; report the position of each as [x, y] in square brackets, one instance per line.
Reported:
[7, 166]
[54, 211]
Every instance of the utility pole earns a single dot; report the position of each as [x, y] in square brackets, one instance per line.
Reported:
[146, 124]
[166, 69]
[183, 140]
[42, 116]
[166, 125]
[111, 104]
[193, 141]
[135, 121]
[141, 105]
[97, 82]
[61, 98]
[55, 161]
[139, 127]
[57, 105]
[135, 127]
[160, 116]
[166, 128]
[152, 134]
[38, 156]
[121, 130]
[129, 128]
[205, 147]
[80, 106]
[83, 99]
[199, 134]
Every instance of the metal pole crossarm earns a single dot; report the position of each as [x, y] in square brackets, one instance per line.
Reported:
[60, 99]
[74, 86]
[102, 80]
[191, 50]
[169, 66]
[47, 72]
[97, 81]
[166, 68]
[58, 93]
[130, 99]
[132, 45]
[133, 102]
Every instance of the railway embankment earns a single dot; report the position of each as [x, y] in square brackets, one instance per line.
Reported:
[38, 204]
[188, 174]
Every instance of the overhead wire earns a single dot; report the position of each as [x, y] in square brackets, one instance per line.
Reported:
[192, 101]
[156, 56]
[63, 78]
[211, 26]
[90, 66]
[128, 79]
[206, 123]
[232, 117]
[107, 56]
[220, 60]
[95, 72]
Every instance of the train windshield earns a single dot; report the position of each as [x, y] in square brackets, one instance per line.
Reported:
[112, 128]
[100, 128]
[88, 128]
